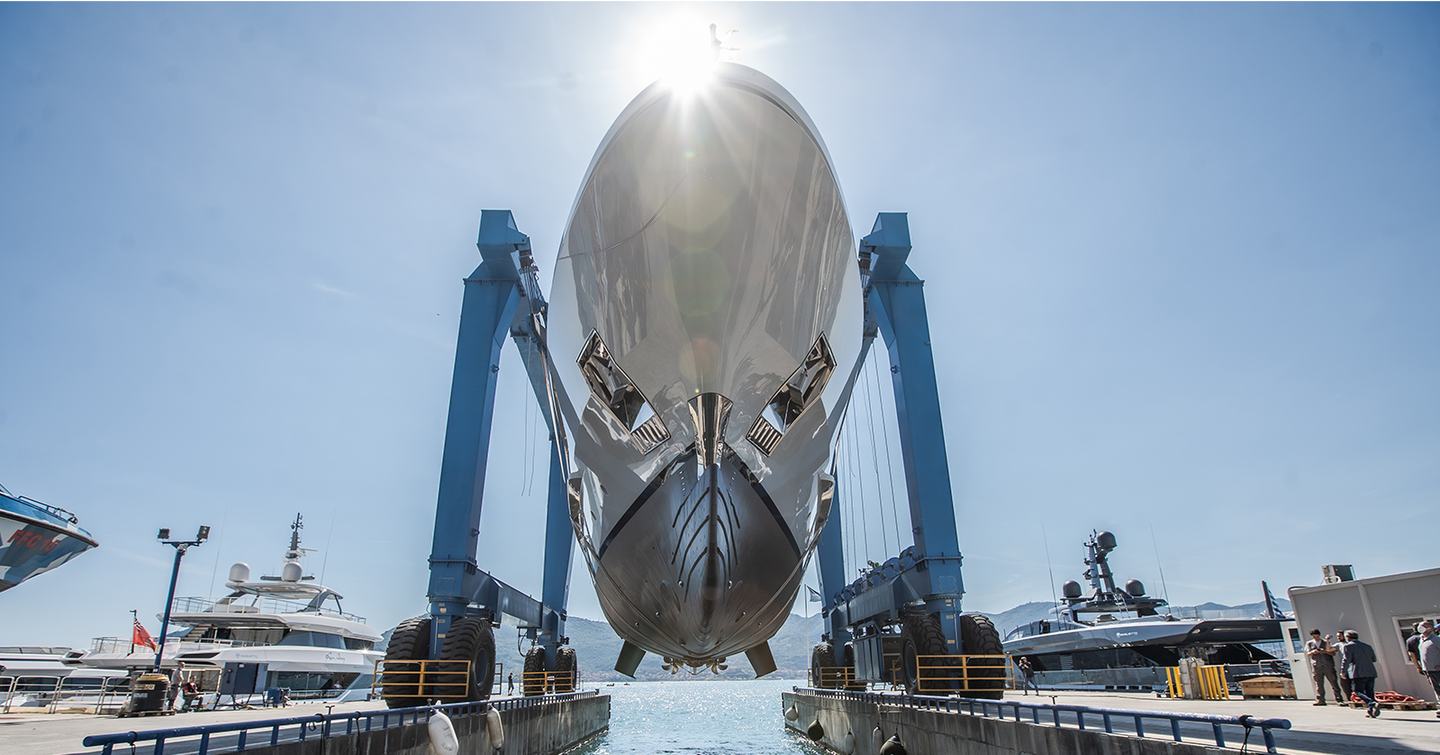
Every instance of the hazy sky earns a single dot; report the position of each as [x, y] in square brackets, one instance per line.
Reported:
[1182, 267]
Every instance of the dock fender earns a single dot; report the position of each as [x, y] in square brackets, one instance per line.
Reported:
[893, 746]
[494, 729]
[441, 731]
[815, 731]
[792, 713]
[761, 659]
[847, 744]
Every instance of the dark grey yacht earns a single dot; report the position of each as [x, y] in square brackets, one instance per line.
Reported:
[1129, 644]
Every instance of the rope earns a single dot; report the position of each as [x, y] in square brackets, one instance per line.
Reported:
[843, 491]
[875, 465]
[889, 464]
[860, 486]
[529, 451]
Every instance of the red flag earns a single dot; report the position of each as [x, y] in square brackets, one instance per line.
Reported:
[142, 637]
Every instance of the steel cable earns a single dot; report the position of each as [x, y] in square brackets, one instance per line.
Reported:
[889, 464]
[875, 465]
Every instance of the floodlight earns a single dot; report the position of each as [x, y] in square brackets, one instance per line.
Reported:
[163, 534]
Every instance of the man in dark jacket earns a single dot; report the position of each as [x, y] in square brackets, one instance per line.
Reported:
[1358, 660]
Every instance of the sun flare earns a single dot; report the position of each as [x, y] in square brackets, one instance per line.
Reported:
[678, 51]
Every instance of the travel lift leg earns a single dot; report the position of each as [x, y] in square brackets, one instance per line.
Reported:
[466, 601]
[918, 592]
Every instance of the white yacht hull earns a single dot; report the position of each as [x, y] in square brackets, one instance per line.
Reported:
[708, 263]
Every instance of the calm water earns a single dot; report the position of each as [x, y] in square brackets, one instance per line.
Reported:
[709, 717]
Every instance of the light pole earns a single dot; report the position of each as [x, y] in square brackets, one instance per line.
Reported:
[180, 547]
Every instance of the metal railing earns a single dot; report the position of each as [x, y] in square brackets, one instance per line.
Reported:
[195, 604]
[243, 735]
[123, 645]
[1083, 717]
[55, 694]
[835, 677]
[542, 682]
[948, 674]
[434, 680]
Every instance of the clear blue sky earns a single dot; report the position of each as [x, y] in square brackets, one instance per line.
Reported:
[1182, 265]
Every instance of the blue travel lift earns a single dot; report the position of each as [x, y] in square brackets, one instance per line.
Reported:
[909, 606]
[502, 296]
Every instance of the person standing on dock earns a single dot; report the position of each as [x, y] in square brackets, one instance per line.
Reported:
[1344, 680]
[1428, 654]
[1027, 673]
[1358, 660]
[1322, 666]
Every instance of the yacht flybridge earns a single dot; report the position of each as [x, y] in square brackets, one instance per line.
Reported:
[285, 631]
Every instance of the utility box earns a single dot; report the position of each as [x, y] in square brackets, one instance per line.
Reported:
[241, 679]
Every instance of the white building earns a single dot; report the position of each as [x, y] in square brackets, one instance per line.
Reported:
[1383, 610]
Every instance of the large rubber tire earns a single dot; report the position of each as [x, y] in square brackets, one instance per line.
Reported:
[847, 656]
[470, 639]
[532, 681]
[978, 636]
[567, 668]
[821, 657]
[924, 632]
[907, 665]
[410, 641]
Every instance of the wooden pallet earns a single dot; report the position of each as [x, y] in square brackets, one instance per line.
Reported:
[136, 714]
[1417, 705]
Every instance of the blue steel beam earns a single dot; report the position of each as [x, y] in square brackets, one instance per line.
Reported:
[493, 293]
[896, 300]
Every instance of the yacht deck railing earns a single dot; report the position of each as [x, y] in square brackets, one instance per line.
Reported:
[260, 604]
[124, 646]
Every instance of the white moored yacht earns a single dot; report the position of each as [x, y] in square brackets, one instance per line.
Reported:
[286, 632]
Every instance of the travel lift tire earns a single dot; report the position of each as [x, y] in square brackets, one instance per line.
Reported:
[410, 641]
[978, 636]
[532, 678]
[567, 670]
[471, 638]
[821, 656]
[848, 654]
[925, 637]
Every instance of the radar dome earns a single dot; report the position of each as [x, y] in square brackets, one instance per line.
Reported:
[292, 571]
[1135, 587]
[1071, 589]
[1105, 540]
[240, 572]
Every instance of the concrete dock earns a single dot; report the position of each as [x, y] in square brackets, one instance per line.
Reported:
[1330, 730]
[530, 729]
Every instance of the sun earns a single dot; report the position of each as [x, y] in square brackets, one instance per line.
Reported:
[679, 52]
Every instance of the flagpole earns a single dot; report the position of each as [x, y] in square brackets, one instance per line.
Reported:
[134, 619]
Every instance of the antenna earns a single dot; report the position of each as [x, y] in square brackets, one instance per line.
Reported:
[1050, 567]
[296, 551]
[1164, 589]
[328, 539]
